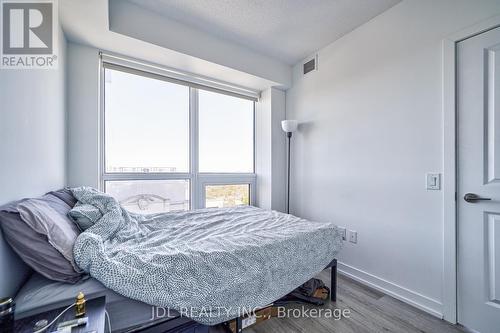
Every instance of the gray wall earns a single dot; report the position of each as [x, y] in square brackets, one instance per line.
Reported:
[33, 129]
[372, 127]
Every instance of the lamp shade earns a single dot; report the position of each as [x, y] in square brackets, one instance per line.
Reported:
[289, 125]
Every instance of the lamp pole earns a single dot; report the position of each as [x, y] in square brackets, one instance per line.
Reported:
[289, 136]
[289, 126]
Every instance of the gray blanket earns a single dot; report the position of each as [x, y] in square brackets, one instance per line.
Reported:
[210, 264]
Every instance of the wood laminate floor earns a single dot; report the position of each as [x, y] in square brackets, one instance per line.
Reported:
[371, 311]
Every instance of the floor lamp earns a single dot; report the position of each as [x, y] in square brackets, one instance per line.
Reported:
[289, 126]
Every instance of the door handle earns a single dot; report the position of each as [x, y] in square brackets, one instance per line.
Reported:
[472, 198]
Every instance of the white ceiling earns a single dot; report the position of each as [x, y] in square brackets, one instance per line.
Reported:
[287, 30]
[86, 22]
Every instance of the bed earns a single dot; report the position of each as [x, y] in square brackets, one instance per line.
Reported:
[242, 257]
[126, 315]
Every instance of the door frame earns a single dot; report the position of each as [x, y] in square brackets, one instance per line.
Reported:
[450, 217]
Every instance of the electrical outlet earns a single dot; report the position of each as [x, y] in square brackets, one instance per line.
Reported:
[353, 236]
[343, 233]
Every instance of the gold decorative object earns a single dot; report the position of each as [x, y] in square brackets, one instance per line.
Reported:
[80, 305]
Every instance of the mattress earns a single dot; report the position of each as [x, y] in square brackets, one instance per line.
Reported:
[41, 294]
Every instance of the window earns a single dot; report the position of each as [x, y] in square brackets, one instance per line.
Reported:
[226, 133]
[151, 196]
[147, 124]
[168, 145]
[227, 195]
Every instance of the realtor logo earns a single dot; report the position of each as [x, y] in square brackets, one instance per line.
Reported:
[28, 34]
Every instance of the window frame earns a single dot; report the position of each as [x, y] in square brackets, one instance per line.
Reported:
[197, 180]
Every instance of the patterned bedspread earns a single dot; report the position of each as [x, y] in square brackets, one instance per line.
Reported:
[210, 264]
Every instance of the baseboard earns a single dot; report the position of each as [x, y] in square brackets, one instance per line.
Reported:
[412, 298]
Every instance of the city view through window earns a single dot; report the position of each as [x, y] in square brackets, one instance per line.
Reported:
[147, 143]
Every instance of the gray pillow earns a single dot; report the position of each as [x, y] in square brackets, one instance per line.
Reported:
[47, 216]
[65, 195]
[35, 250]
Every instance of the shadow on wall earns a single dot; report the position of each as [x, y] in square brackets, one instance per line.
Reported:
[306, 127]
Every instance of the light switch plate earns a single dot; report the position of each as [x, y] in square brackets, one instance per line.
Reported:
[433, 181]
[353, 236]
[343, 233]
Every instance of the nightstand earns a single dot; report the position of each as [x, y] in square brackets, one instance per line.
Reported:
[95, 309]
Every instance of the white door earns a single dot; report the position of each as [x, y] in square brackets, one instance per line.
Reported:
[478, 89]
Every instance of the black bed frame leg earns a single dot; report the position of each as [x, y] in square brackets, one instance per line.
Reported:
[333, 282]
[239, 325]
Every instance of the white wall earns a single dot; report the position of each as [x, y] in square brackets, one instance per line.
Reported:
[33, 129]
[263, 149]
[278, 150]
[83, 115]
[32, 145]
[372, 127]
[270, 153]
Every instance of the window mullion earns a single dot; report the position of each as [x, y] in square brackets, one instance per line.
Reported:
[193, 133]
[102, 129]
[145, 176]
